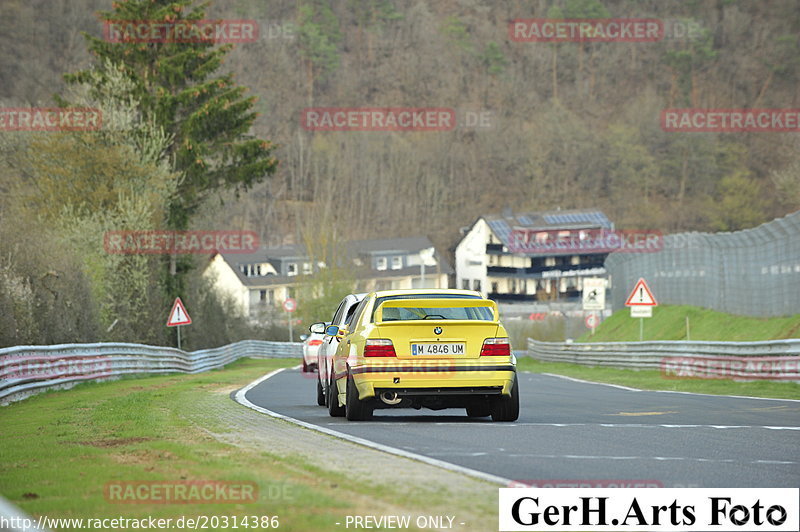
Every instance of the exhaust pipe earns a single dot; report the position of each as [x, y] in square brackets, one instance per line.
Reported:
[390, 398]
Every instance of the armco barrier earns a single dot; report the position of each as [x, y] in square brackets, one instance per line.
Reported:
[769, 360]
[25, 370]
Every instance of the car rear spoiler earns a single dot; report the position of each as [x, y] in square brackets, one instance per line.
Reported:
[449, 302]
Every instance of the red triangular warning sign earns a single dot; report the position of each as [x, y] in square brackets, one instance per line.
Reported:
[178, 314]
[641, 296]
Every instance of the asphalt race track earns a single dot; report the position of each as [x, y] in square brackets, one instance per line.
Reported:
[574, 431]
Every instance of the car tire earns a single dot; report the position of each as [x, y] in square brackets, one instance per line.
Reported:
[320, 394]
[333, 400]
[355, 408]
[506, 408]
[305, 366]
[482, 410]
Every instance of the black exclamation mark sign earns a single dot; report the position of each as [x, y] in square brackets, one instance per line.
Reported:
[641, 293]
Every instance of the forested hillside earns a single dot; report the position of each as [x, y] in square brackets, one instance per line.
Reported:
[573, 124]
[570, 124]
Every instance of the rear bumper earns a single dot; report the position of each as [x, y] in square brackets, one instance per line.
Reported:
[434, 380]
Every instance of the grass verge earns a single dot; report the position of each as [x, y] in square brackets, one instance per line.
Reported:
[60, 452]
[669, 323]
[654, 380]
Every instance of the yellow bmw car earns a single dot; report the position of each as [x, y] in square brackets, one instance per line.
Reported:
[424, 348]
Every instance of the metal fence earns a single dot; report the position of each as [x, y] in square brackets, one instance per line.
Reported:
[25, 370]
[755, 272]
[770, 360]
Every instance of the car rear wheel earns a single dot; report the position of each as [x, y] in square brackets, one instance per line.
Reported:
[333, 400]
[506, 408]
[479, 410]
[320, 393]
[355, 408]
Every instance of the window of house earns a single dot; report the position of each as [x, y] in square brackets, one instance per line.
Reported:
[476, 285]
[494, 288]
[306, 268]
[262, 296]
[550, 261]
[397, 263]
[465, 284]
[380, 263]
[291, 269]
[270, 297]
[575, 260]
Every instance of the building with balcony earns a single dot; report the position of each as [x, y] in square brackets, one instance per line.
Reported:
[532, 257]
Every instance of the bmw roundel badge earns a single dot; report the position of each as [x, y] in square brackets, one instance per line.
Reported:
[437, 330]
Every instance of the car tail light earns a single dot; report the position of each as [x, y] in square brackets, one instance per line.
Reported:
[379, 347]
[496, 347]
[315, 342]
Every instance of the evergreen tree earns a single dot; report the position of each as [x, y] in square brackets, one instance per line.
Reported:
[206, 115]
[179, 89]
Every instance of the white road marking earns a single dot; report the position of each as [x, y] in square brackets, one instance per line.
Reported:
[626, 388]
[573, 379]
[242, 400]
[592, 457]
[617, 425]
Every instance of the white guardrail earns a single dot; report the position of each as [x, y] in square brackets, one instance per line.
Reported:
[769, 360]
[25, 370]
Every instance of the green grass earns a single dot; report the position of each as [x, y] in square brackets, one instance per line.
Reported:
[669, 323]
[654, 380]
[59, 449]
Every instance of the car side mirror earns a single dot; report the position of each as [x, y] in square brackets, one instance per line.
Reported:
[317, 328]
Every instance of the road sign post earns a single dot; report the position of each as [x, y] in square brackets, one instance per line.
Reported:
[592, 320]
[641, 303]
[290, 305]
[177, 317]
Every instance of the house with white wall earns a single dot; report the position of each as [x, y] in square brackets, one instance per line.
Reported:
[489, 257]
[258, 283]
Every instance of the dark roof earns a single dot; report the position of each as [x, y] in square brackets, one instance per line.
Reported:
[410, 244]
[502, 224]
[275, 256]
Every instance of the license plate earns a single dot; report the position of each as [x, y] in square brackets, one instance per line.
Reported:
[439, 348]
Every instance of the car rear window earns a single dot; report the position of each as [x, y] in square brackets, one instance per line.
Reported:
[420, 313]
